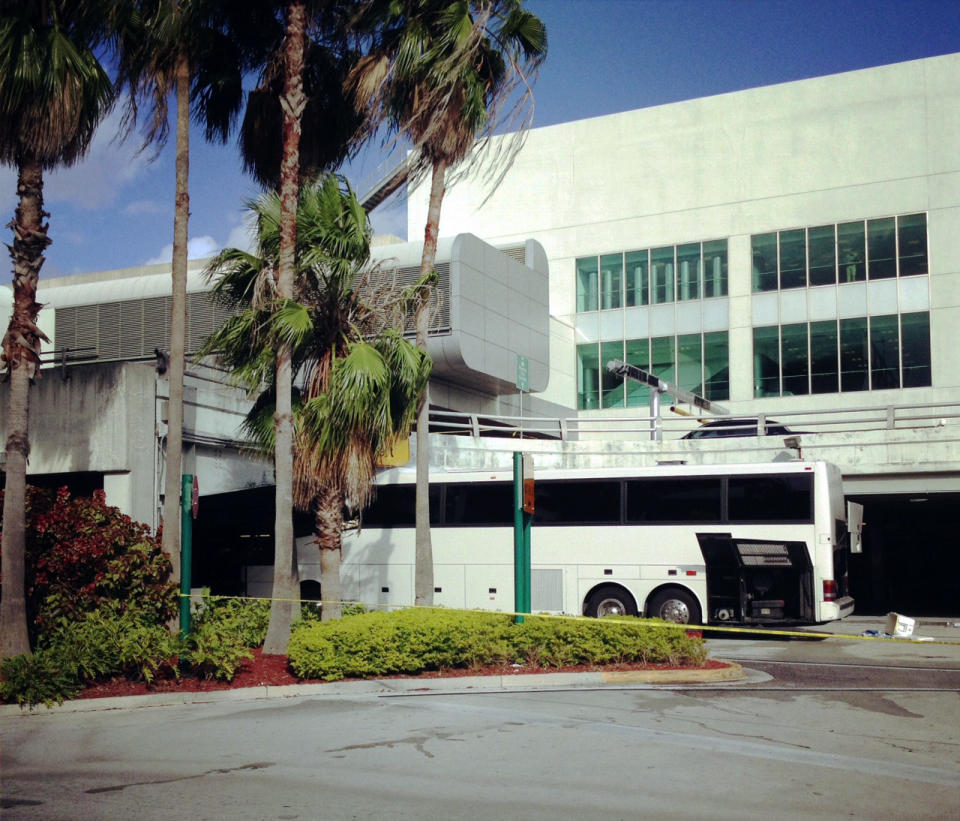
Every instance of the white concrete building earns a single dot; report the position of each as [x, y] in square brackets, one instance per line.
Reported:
[803, 235]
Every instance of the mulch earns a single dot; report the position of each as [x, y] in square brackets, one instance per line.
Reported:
[267, 670]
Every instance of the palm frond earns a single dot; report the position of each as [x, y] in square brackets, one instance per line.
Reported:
[357, 390]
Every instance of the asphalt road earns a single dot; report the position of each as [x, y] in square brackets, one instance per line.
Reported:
[808, 734]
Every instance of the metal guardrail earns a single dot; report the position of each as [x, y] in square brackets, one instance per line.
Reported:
[849, 420]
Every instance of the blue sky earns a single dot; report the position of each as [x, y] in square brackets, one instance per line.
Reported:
[114, 210]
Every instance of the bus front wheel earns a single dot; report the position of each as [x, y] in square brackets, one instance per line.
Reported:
[609, 601]
[675, 605]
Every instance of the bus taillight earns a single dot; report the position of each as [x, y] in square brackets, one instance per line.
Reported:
[829, 590]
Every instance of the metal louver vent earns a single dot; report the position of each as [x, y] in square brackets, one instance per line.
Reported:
[65, 330]
[131, 330]
[204, 316]
[395, 280]
[517, 253]
[86, 329]
[108, 335]
[156, 324]
[134, 328]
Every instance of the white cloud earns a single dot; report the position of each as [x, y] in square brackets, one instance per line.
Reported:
[151, 207]
[242, 236]
[108, 166]
[197, 248]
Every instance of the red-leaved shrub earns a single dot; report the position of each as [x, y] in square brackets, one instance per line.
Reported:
[81, 554]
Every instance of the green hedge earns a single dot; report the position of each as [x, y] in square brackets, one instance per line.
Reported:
[411, 641]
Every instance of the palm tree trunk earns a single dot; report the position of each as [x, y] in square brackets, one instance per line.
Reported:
[423, 572]
[328, 531]
[21, 349]
[285, 587]
[178, 325]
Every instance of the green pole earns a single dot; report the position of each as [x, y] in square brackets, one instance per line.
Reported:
[518, 563]
[186, 550]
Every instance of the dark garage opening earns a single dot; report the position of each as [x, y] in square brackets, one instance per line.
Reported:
[911, 558]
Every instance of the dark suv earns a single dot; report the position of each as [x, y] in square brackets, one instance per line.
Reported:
[737, 427]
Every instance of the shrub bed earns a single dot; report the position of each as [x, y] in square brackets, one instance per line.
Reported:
[120, 640]
[413, 641]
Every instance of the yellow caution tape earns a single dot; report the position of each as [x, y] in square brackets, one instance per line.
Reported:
[655, 623]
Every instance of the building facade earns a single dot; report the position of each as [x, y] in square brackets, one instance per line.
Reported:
[782, 248]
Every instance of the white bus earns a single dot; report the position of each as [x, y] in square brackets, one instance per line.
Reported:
[740, 544]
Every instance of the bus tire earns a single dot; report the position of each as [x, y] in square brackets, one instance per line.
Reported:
[676, 605]
[609, 601]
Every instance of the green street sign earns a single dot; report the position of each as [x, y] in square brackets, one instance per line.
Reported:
[523, 373]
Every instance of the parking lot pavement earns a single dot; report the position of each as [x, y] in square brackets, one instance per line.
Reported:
[938, 628]
[935, 645]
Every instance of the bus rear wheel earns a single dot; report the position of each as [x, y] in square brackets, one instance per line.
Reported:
[675, 605]
[609, 601]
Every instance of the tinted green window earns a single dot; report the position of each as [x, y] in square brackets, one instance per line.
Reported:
[823, 255]
[661, 275]
[611, 386]
[588, 376]
[915, 335]
[824, 374]
[716, 366]
[793, 259]
[674, 500]
[576, 502]
[637, 278]
[793, 346]
[884, 352]
[766, 362]
[715, 268]
[764, 248]
[881, 248]
[913, 244]
[587, 284]
[690, 363]
[854, 375]
[770, 498]
[638, 354]
[663, 356]
[611, 281]
[851, 255]
[688, 271]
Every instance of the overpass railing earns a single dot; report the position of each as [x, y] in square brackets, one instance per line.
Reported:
[849, 420]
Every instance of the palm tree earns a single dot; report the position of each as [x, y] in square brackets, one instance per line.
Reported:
[357, 381]
[53, 93]
[440, 73]
[199, 50]
[319, 27]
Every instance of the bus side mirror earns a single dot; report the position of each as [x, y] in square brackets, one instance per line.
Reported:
[855, 526]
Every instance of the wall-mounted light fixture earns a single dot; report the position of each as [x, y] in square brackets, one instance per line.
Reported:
[793, 442]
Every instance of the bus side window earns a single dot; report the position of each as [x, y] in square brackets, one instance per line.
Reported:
[479, 503]
[786, 498]
[577, 502]
[680, 499]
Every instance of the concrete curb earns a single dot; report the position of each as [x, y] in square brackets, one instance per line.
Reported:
[393, 686]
